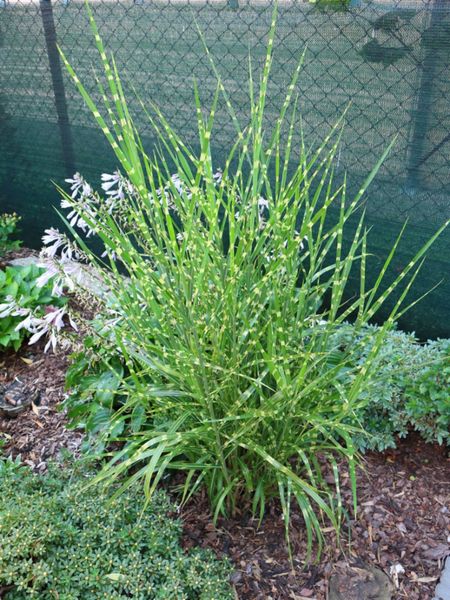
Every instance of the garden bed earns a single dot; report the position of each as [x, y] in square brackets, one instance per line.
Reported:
[403, 504]
[403, 519]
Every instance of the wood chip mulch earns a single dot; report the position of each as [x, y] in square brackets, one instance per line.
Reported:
[404, 519]
[39, 433]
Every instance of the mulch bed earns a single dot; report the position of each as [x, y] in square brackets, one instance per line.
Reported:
[404, 518]
[404, 512]
[39, 433]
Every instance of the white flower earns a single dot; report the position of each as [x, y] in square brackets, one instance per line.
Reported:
[87, 206]
[72, 322]
[69, 252]
[37, 335]
[56, 318]
[110, 181]
[72, 216]
[77, 184]
[110, 253]
[11, 308]
[177, 183]
[65, 203]
[116, 186]
[52, 341]
[50, 272]
[180, 236]
[57, 289]
[55, 238]
[81, 224]
[218, 176]
[82, 201]
[51, 324]
[262, 204]
[29, 323]
[6, 309]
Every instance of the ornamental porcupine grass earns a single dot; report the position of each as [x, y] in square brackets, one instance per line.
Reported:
[222, 309]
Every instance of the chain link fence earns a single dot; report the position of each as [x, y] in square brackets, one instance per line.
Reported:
[389, 61]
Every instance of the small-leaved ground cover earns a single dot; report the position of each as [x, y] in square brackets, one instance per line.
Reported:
[59, 539]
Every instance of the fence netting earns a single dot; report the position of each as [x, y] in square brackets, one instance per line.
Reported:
[388, 62]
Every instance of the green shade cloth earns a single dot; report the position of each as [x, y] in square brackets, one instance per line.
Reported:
[391, 62]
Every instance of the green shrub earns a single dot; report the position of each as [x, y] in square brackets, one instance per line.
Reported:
[228, 275]
[8, 228]
[427, 394]
[26, 308]
[409, 392]
[60, 540]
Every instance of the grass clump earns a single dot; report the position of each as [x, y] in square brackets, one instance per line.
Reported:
[225, 291]
[409, 393]
[61, 540]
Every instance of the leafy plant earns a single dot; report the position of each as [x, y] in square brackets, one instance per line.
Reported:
[409, 392]
[59, 540]
[8, 227]
[427, 395]
[97, 390]
[23, 303]
[235, 284]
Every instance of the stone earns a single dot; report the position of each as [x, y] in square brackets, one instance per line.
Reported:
[16, 397]
[360, 583]
[443, 587]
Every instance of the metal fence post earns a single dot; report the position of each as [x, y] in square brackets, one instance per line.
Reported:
[58, 86]
[424, 104]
